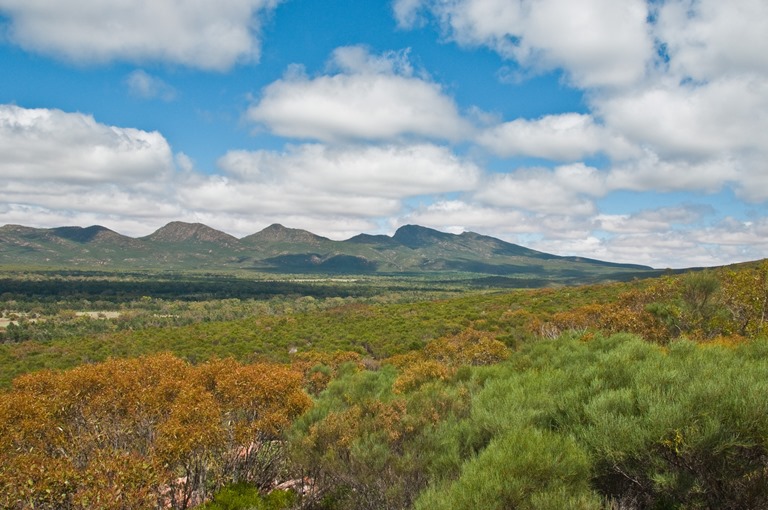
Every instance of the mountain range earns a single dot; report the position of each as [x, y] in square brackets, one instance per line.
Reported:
[193, 246]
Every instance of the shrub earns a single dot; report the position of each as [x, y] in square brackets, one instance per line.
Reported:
[247, 497]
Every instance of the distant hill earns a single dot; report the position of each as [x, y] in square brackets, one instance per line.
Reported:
[276, 234]
[193, 246]
[179, 232]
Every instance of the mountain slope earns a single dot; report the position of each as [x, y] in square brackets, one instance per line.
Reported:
[277, 234]
[180, 232]
[95, 246]
[411, 250]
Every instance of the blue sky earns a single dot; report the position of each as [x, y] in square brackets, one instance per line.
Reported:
[623, 130]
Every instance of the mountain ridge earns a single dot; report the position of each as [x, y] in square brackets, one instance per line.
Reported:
[412, 249]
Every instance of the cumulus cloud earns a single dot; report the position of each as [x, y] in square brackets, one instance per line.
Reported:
[647, 248]
[676, 237]
[337, 191]
[685, 247]
[653, 220]
[458, 216]
[738, 233]
[362, 181]
[43, 144]
[369, 98]
[143, 85]
[566, 189]
[707, 39]
[211, 36]
[66, 168]
[564, 137]
[677, 85]
[691, 120]
[513, 224]
[389, 171]
[599, 42]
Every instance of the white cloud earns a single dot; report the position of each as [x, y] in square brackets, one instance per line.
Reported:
[566, 190]
[205, 35]
[707, 39]
[739, 233]
[92, 198]
[226, 196]
[143, 85]
[354, 181]
[653, 220]
[564, 137]
[407, 13]
[388, 171]
[66, 168]
[668, 237]
[651, 173]
[648, 249]
[600, 42]
[458, 216]
[41, 145]
[358, 60]
[693, 121]
[371, 98]
[184, 162]
[752, 184]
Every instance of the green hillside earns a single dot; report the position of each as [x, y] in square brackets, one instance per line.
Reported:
[411, 250]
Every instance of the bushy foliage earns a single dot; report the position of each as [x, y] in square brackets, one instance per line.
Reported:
[143, 432]
[242, 496]
[468, 347]
[368, 447]
[701, 305]
[535, 399]
[526, 468]
[566, 423]
[680, 427]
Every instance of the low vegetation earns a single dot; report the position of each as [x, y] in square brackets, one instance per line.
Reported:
[647, 394]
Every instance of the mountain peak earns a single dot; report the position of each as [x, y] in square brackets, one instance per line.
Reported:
[277, 233]
[179, 231]
[415, 236]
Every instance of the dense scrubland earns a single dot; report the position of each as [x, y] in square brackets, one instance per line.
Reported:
[371, 394]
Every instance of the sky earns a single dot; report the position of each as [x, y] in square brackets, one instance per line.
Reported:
[623, 130]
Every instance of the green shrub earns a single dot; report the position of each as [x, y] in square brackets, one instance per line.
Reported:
[247, 497]
[525, 468]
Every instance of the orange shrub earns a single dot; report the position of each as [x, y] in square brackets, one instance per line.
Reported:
[112, 435]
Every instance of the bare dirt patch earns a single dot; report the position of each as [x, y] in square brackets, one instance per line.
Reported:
[99, 315]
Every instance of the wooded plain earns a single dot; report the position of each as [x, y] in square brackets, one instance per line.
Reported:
[152, 389]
